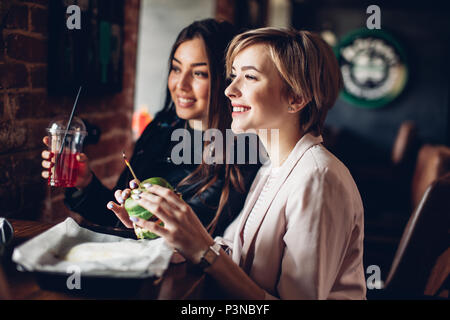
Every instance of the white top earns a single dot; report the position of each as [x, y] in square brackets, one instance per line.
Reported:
[273, 174]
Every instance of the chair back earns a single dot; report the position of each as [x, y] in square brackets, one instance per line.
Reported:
[432, 163]
[424, 240]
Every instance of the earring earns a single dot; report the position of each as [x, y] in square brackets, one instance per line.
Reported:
[290, 109]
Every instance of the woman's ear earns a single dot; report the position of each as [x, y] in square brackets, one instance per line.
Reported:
[296, 103]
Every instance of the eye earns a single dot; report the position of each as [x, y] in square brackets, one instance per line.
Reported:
[175, 69]
[250, 77]
[201, 74]
[231, 77]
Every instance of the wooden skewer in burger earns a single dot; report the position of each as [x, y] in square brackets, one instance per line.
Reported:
[135, 210]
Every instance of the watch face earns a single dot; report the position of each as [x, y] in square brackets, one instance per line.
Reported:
[373, 67]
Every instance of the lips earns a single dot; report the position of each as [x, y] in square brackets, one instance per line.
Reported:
[185, 102]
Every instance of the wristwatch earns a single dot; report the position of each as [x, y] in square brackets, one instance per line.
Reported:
[210, 256]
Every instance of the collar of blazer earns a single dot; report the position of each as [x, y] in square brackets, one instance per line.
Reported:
[241, 253]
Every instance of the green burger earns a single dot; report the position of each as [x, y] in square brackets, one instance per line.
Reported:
[135, 210]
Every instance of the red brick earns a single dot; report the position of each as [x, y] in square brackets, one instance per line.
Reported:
[30, 113]
[41, 2]
[58, 105]
[6, 172]
[26, 48]
[21, 185]
[39, 20]
[2, 106]
[36, 105]
[38, 77]
[19, 136]
[6, 110]
[35, 131]
[225, 10]
[17, 18]
[111, 122]
[29, 105]
[103, 103]
[12, 137]
[89, 104]
[27, 165]
[110, 146]
[13, 76]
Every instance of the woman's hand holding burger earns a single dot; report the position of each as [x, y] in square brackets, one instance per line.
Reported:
[119, 209]
[182, 228]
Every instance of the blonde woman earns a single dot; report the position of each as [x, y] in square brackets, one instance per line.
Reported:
[300, 233]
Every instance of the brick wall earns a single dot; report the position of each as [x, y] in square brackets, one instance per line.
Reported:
[26, 110]
[225, 10]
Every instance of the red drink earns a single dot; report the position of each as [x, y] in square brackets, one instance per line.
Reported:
[64, 172]
[64, 146]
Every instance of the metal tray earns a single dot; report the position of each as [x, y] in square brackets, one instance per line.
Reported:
[120, 285]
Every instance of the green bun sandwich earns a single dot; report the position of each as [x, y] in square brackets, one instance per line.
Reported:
[135, 210]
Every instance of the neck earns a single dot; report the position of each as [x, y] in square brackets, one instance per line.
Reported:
[279, 143]
[197, 124]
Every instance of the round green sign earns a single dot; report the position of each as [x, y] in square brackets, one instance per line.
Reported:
[373, 67]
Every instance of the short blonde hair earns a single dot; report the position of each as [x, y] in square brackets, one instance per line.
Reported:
[305, 62]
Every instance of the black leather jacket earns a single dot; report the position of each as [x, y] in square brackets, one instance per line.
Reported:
[152, 158]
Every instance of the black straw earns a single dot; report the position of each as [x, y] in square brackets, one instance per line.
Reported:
[68, 124]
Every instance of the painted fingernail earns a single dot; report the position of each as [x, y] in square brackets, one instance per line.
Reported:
[110, 205]
[134, 219]
[136, 191]
[136, 197]
[120, 200]
[133, 184]
[147, 185]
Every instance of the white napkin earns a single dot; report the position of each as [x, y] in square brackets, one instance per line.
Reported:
[47, 253]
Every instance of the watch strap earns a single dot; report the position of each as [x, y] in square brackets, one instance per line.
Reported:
[209, 256]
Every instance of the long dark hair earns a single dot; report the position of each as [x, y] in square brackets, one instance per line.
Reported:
[216, 36]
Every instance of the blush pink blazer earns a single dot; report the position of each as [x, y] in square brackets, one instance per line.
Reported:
[306, 241]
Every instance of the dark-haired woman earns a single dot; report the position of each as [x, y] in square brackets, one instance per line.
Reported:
[194, 102]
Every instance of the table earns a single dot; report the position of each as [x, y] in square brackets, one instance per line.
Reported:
[180, 281]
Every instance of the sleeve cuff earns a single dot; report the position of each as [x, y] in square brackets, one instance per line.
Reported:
[225, 244]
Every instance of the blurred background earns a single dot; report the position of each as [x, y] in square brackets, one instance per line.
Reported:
[390, 126]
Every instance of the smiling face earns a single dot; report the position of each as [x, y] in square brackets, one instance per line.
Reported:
[189, 82]
[257, 91]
